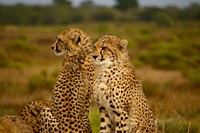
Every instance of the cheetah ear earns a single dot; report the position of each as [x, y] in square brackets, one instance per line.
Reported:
[76, 38]
[123, 44]
[63, 32]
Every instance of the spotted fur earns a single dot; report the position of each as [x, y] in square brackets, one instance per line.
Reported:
[72, 91]
[122, 104]
[31, 113]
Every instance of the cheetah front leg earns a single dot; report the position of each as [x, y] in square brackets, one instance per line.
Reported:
[105, 121]
[48, 123]
[121, 121]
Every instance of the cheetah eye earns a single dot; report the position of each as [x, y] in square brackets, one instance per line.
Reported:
[59, 40]
[104, 48]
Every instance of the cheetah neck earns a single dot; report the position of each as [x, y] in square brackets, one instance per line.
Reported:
[74, 62]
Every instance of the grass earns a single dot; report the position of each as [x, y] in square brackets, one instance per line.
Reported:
[166, 60]
[94, 117]
[40, 81]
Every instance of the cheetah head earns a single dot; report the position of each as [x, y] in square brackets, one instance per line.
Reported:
[109, 48]
[69, 41]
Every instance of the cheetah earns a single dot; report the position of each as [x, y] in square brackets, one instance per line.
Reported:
[30, 114]
[122, 104]
[73, 88]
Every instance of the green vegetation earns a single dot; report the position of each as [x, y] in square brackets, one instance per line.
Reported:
[40, 81]
[20, 45]
[63, 13]
[163, 19]
[3, 62]
[194, 76]
[16, 49]
[126, 4]
[94, 117]
[178, 125]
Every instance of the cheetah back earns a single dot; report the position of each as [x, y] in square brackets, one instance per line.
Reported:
[72, 91]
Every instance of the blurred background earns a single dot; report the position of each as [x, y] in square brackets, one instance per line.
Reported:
[164, 47]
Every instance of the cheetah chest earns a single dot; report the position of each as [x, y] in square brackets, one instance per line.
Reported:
[105, 88]
[101, 92]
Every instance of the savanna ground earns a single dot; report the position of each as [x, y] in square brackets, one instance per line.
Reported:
[167, 61]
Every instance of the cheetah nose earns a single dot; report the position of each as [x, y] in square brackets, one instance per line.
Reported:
[94, 56]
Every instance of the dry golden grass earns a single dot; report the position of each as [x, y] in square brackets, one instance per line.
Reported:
[13, 124]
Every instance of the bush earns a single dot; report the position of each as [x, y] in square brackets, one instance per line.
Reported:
[3, 62]
[6, 62]
[16, 53]
[194, 76]
[163, 19]
[147, 13]
[39, 81]
[163, 59]
[20, 45]
[9, 64]
[171, 55]
[104, 14]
